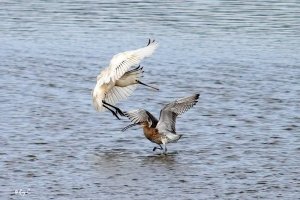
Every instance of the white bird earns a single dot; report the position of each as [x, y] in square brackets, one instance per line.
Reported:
[161, 131]
[118, 80]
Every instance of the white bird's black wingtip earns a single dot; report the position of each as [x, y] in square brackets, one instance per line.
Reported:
[150, 41]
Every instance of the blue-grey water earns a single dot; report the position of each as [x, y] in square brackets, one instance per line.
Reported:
[241, 141]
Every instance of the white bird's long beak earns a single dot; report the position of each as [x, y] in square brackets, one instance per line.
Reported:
[139, 82]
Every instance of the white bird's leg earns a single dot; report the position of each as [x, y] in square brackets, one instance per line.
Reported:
[113, 112]
[118, 110]
[139, 82]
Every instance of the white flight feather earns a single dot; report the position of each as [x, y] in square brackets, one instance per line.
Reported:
[119, 93]
[121, 63]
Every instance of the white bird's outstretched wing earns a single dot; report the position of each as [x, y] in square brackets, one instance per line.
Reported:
[169, 113]
[121, 63]
[139, 116]
[117, 94]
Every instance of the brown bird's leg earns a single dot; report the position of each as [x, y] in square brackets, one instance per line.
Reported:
[139, 82]
[113, 112]
[160, 147]
[118, 110]
[165, 149]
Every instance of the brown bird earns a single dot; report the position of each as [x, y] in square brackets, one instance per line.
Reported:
[161, 131]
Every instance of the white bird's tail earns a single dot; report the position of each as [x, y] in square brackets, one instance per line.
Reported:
[98, 97]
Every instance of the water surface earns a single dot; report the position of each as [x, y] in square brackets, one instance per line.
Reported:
[241, 141]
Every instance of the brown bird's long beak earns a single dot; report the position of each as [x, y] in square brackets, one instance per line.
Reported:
[139, 82]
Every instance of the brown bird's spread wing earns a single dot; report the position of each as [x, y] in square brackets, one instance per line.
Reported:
[170, 112]
[139, 116]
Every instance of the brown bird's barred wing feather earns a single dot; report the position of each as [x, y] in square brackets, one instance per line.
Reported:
[170, 112]
[139, 116]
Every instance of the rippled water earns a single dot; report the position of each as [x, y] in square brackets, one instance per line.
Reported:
[241, 141]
